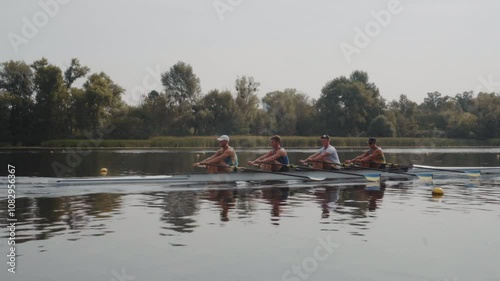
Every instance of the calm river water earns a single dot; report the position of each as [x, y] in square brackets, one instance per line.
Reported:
[293, 231]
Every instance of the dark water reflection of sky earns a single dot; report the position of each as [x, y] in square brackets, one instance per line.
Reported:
[291, 231]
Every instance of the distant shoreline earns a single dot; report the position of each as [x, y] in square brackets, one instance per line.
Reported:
[243, 142]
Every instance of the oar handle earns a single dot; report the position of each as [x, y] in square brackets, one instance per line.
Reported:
[235, 168]
[271, 163]
[333, 171]
[324, 162]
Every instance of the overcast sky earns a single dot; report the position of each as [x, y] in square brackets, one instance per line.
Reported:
[407, 47]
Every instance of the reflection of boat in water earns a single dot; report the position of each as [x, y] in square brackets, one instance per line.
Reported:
[344, 175]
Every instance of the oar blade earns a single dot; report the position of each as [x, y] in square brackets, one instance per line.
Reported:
[372, 177]
[425, 177]
[473, 173]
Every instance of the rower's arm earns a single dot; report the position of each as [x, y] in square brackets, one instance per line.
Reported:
[311, 158]
[260, 158]
[375, 155]
[216, 158]
[358, 158]
[323, 155]
[219, 152]
[277, 155]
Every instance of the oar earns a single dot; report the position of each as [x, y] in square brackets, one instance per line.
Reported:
[471, 173]
[369, 178]
[280, 173]
[383, 170]
[217, 165]
[422, 177]
[329, 171]
[261, 171]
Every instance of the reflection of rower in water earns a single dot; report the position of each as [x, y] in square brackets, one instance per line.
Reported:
[359, 197]
[276, 197]
[328, 199]
[222, 160]
[275, 160]
[363, 197]
[225, 199]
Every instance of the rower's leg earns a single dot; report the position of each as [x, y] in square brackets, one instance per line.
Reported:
[212, 169]
[267, 167]
[277, 167]
[318, 165]
[326, 166]
[225, 169]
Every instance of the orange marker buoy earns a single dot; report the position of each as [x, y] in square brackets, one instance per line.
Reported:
[104, 171]
[437, 191]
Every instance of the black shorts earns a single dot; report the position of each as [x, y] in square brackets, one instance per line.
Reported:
[284, 169]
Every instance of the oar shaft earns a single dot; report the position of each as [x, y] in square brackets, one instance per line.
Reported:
[383, 170]
[439, 169]
[280, 173]
[324, 162]
[332, 171]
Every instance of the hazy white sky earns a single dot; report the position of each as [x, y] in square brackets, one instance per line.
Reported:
[407, 47]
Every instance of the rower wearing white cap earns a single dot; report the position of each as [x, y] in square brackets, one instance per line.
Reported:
[223, 160]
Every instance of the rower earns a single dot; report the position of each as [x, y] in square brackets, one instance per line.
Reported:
[326, 158]
[223, 161]
[372, 158]
[275, 160]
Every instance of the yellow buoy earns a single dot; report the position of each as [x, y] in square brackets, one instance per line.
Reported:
[437, 191]
[104, 171]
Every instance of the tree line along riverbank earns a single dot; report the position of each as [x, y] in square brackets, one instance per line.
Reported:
[261, 141]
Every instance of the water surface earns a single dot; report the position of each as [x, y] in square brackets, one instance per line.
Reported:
[281, 231]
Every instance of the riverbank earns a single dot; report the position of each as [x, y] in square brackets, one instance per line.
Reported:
[259, 142]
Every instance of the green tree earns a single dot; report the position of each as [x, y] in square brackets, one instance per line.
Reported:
[487, 110]
[381, 127]
[181, 85]
[465, 101]
[434, 101]
[16, 102]
[461, 124]
[183, 91]
[247, 101]
[128, 123]
[52, 101]
[290, 112]
[74, 72]
[432, 117]
[403, 115]
[155, 113]
[348, 105]
[100, 97]
[219, 115]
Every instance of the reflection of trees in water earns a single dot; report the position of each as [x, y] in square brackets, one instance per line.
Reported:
[179, 211]
[43, 218]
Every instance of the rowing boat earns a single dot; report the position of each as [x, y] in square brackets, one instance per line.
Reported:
[344, 175]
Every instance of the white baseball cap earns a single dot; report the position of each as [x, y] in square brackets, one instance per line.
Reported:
[223, 138]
